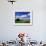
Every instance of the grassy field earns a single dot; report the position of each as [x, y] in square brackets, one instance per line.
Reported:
[22, 21]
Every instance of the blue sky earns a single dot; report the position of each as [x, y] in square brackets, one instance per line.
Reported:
[21, 13]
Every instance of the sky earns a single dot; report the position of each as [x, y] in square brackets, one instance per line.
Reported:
[23, 15]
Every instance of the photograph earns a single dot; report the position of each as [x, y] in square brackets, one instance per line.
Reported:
[23, 18]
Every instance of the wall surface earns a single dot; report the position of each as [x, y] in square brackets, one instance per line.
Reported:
[8, 31]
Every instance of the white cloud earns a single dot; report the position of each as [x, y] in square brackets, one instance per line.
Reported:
[17, 17]
[22, 16]
[28, 14]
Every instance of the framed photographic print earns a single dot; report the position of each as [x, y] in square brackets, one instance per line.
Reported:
[23, 18]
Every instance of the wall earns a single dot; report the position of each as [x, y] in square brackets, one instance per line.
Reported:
[9, 31]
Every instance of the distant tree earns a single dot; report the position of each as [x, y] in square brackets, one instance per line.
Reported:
[18, 19]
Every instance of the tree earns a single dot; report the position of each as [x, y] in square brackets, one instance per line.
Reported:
[18, 19]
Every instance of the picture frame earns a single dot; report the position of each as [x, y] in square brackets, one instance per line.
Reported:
[23, 18]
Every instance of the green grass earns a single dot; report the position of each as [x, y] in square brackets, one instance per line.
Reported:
[22, 21]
